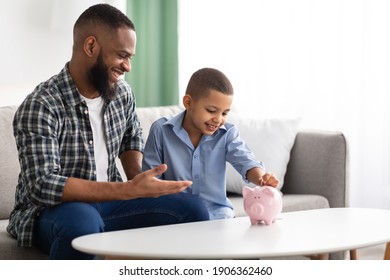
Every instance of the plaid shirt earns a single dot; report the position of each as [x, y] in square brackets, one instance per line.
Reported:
[55, 141]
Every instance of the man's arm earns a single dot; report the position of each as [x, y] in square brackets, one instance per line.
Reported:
[142, 185]
[131, 163]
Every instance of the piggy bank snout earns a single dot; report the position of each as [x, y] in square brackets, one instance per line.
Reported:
[256, 209]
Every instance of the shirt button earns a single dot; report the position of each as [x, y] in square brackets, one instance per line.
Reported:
[94, 172]
[195, 156]
[86, 112]
[196, 176]
[90, 142]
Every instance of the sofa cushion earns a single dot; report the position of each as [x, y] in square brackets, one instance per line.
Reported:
[9, 164]
[291, 202]
[10, 251]
[148, 115]
[271, 141]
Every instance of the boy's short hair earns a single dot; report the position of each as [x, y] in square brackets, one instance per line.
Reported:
[208, 78]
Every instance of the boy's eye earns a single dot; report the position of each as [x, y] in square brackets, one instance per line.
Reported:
[210, 111]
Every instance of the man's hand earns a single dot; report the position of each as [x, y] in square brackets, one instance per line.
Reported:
[146, 184]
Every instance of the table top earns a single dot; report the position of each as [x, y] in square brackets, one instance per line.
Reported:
[294, 233]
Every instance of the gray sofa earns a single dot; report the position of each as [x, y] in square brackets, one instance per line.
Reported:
[316, 174]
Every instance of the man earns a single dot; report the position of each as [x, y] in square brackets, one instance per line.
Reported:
[70, 130]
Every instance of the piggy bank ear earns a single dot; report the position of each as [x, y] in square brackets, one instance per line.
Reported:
[268, 191]
[246, 190]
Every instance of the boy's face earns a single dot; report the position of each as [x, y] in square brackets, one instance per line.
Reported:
[205, 115]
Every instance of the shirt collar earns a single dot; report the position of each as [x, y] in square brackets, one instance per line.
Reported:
[68, 87]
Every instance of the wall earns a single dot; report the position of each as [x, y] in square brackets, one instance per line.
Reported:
[36, 42]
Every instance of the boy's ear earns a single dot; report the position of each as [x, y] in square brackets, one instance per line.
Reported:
[187, 101]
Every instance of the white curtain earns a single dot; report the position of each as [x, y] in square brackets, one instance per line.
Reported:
[327, 62]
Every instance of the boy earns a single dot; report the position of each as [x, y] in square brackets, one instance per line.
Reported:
[198, 142]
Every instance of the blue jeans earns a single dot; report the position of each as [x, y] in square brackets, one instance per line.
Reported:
[56, 227]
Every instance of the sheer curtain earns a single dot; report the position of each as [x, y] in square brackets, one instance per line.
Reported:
[324, 61]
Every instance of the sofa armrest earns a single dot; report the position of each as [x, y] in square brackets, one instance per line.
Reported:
[319, 165]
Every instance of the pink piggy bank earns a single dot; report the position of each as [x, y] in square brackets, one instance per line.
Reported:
[262, 204]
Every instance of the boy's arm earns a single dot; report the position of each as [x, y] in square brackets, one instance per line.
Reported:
[152, 156]
[259, 177]
[242, 158]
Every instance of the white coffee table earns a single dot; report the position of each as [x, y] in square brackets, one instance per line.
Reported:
[298, 233]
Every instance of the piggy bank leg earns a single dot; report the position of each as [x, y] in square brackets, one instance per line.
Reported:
[269, 222]
[254, 221]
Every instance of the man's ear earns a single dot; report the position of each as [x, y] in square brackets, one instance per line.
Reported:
[91, 46]
[187, 100]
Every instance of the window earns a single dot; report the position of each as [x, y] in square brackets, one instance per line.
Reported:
[325, 61]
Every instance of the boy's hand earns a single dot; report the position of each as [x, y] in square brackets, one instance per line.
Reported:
[268, 179]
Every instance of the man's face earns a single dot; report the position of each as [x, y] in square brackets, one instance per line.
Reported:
[112, 62]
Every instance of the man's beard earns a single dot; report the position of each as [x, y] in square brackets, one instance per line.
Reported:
[100, 79]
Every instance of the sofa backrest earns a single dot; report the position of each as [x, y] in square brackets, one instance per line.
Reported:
[9, 164]
[271, 141]
[147, 115]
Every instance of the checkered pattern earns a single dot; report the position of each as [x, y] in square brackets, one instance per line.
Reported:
[55, 141]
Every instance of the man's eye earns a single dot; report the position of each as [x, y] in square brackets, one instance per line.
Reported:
[125, 56]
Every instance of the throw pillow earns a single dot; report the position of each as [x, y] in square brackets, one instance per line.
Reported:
[148, 115]
[270, 140]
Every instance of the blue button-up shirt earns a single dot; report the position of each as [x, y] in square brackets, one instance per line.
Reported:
[55, 141]
[168, 142]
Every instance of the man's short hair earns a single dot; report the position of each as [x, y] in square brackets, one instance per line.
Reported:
[208, 78]
[104, 15]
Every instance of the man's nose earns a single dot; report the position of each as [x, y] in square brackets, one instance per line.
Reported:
[126, 64]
